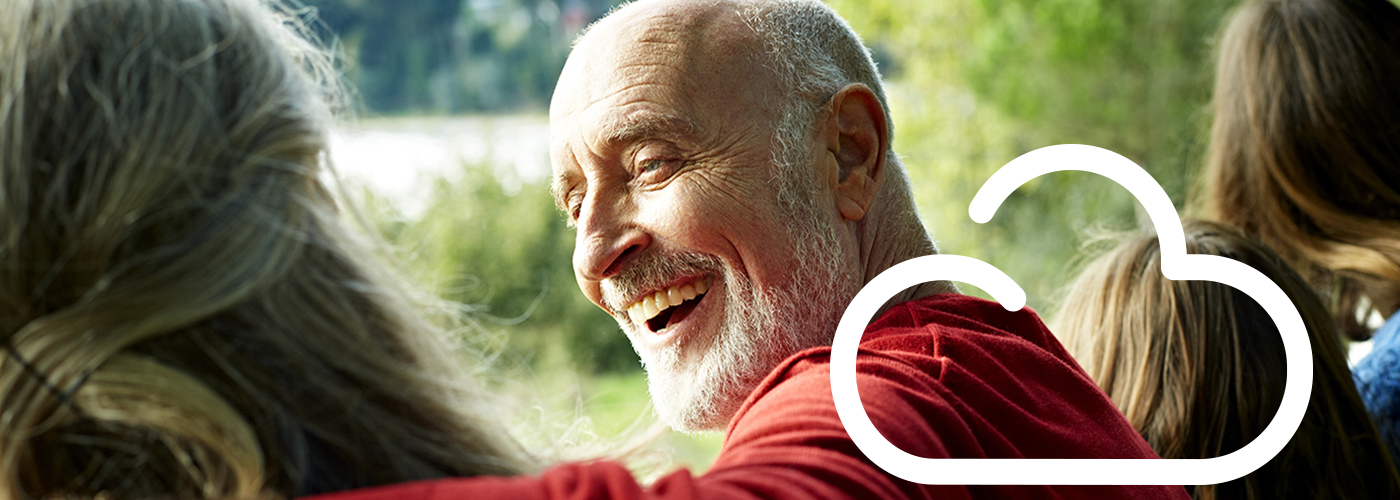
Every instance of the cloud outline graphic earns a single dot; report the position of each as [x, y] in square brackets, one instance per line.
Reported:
[1176, 265]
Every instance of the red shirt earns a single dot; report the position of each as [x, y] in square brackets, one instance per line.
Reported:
[945, 376]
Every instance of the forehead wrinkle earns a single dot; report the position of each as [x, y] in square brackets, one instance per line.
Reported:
[638, 37]
[652, 64]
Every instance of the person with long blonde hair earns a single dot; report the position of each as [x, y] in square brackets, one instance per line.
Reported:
[1305, 155]
[1198, 369]
[183, 314]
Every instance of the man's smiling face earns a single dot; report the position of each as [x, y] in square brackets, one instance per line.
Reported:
[662, 142]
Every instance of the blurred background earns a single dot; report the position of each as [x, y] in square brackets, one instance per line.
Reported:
[449, 150]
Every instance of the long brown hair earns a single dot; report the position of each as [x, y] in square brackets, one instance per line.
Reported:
[1198, 369]
[183, 313]
[1305, 146]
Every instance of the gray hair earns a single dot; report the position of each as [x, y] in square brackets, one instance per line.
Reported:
[184, 313]
[814, 53]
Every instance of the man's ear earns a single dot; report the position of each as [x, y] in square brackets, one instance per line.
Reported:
[857, 137]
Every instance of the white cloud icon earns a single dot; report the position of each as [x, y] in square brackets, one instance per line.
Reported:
[1176, 265]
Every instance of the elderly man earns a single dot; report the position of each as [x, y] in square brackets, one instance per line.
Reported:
[727, 167]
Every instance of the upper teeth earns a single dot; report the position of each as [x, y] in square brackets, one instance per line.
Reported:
[650, 306]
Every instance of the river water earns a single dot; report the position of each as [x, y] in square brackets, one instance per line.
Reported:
[397, 158]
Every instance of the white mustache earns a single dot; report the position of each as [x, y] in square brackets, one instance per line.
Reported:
[650, 272]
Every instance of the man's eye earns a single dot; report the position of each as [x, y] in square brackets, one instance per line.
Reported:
[656, 170]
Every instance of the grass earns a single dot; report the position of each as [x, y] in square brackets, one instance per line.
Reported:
[619, 399]
[570, 416]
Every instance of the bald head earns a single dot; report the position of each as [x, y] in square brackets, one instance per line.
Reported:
[798, 50]
[725, 166]
[704, 52]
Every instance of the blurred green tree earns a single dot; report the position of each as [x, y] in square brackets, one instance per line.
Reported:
[979, 82]
[456, 56]
[398, 47]
[506, 253]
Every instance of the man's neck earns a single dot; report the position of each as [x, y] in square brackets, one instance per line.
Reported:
[885, 245]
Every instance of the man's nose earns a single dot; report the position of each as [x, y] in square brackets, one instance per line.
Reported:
[607, 239]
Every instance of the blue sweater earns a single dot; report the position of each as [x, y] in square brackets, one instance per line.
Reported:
[1378, 380]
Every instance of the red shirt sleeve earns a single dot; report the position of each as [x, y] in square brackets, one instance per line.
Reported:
[940, 377]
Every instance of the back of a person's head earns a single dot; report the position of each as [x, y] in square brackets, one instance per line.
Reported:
[182, 313]
[1198, 369]
[1305, 146]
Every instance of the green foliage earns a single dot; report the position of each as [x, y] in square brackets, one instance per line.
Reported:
[508, 253]
[983, 81]
[1128, 75]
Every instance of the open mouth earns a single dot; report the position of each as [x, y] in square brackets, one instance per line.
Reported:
[666, 308]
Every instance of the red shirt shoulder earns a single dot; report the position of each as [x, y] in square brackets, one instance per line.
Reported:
[944, 376]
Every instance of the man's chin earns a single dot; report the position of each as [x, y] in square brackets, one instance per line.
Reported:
[685, 406]
[701, 388]
[693, 403]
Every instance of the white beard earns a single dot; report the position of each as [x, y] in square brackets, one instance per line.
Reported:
[699, 387]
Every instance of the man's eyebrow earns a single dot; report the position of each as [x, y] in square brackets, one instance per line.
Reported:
[558, 187]
[647, 125]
